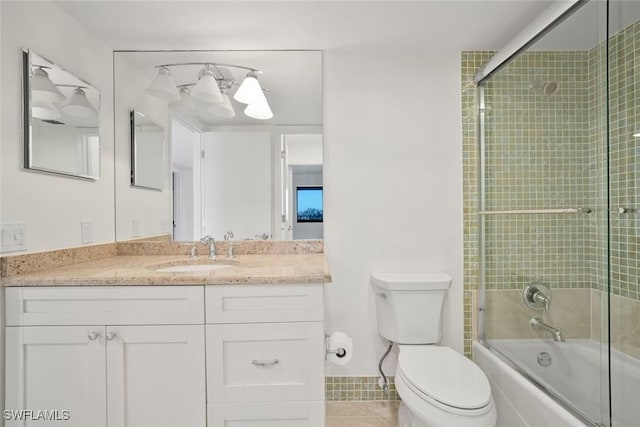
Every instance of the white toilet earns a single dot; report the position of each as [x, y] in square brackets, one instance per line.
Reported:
[439, 386]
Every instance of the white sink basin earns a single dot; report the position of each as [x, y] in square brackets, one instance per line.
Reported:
[191, 268]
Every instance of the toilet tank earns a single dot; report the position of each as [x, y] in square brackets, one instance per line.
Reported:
[409, 306]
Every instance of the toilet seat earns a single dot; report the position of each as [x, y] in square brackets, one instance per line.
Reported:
[444, 377]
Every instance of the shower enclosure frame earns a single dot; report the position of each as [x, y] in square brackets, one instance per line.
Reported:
[480, 79]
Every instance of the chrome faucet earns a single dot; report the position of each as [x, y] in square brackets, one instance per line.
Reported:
[227, 237]
[537, 324]
[208, 240]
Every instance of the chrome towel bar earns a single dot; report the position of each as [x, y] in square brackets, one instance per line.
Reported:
[538, 211]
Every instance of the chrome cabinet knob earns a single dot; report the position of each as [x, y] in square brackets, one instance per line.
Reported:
[93, 336]
[111, 336]
[622, 210]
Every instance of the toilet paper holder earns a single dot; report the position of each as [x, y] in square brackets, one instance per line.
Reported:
[340, 352]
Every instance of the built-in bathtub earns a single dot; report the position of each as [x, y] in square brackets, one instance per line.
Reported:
[578, 371]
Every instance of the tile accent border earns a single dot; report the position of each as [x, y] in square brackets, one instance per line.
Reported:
[358, 389]
[15, 265]
[244, 247]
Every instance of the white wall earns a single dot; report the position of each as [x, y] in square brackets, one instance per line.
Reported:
[150, 208]
[393, 186]
[42, 201]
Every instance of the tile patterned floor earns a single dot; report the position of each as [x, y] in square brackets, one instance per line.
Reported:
[362, 414]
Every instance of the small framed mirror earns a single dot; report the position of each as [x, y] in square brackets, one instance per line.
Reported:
[61, 125]
[148, 152]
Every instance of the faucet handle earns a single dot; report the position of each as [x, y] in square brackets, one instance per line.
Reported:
[536, 296]
[193, 251]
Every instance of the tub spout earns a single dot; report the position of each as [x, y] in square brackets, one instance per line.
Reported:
[537, 324]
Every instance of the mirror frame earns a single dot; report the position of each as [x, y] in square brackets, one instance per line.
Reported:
[27, 120]
[133, 150]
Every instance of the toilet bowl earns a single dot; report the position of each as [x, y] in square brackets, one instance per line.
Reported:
[442, 388]
[439, 387]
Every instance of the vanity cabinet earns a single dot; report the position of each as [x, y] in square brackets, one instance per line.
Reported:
[265, 356]
[125, 356]
[107, 372]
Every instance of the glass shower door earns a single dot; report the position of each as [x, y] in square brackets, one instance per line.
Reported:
[624, 190]
[543, 212]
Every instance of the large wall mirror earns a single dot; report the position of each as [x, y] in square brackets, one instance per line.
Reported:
[245, 136]
[61, 132]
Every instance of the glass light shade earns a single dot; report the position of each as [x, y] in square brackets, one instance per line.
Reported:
[260, 111]
[250, 91]
[223, 109]
[186, 101]
[44, 110]
[207, 89]
[43, 89]
[79, 106]
[163, 86]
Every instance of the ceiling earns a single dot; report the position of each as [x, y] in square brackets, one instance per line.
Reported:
[425, 27]
[325, 25]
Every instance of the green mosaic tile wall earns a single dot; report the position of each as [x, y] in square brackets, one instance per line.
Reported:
[358, 389]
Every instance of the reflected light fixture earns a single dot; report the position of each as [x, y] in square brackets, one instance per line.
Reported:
[260, 111]
[212, 88]
[186, 100]
[79, 106]
[44, 110]
[42, 88]
[636, 135]
[163, 86]
[223, 109]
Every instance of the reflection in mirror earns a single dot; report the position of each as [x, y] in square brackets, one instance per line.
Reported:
[238, 172]
[148, 160]
[60, 120]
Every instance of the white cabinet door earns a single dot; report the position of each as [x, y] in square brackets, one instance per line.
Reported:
[56, 368]
[266, 362]
[155, 376]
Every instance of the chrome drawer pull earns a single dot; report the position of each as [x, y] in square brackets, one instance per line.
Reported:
[262, 363]
[93, 336]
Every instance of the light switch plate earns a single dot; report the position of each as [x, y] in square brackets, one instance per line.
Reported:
[13, 237]
[86, 231]
[135, 229]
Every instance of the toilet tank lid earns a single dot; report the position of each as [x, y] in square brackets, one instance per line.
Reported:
[411, 281]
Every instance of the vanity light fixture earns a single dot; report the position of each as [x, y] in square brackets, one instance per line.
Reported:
[636, 135]
[78, 105]
[207, 89]
[42, 88]
[212, 88]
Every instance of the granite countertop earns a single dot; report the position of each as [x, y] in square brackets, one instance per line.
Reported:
[140, 270]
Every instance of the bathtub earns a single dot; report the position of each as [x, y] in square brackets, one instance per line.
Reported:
[520, 402]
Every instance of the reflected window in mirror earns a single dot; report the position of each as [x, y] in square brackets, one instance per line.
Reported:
[60, 114]
[148, 160]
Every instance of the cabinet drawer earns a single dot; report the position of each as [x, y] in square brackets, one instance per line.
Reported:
[263, 303]
[274, 414]
[265, 362]
[105, 305]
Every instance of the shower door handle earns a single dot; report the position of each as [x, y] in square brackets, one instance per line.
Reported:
[623, 210]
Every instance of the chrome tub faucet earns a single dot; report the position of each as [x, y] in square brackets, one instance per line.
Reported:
[537, 324]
